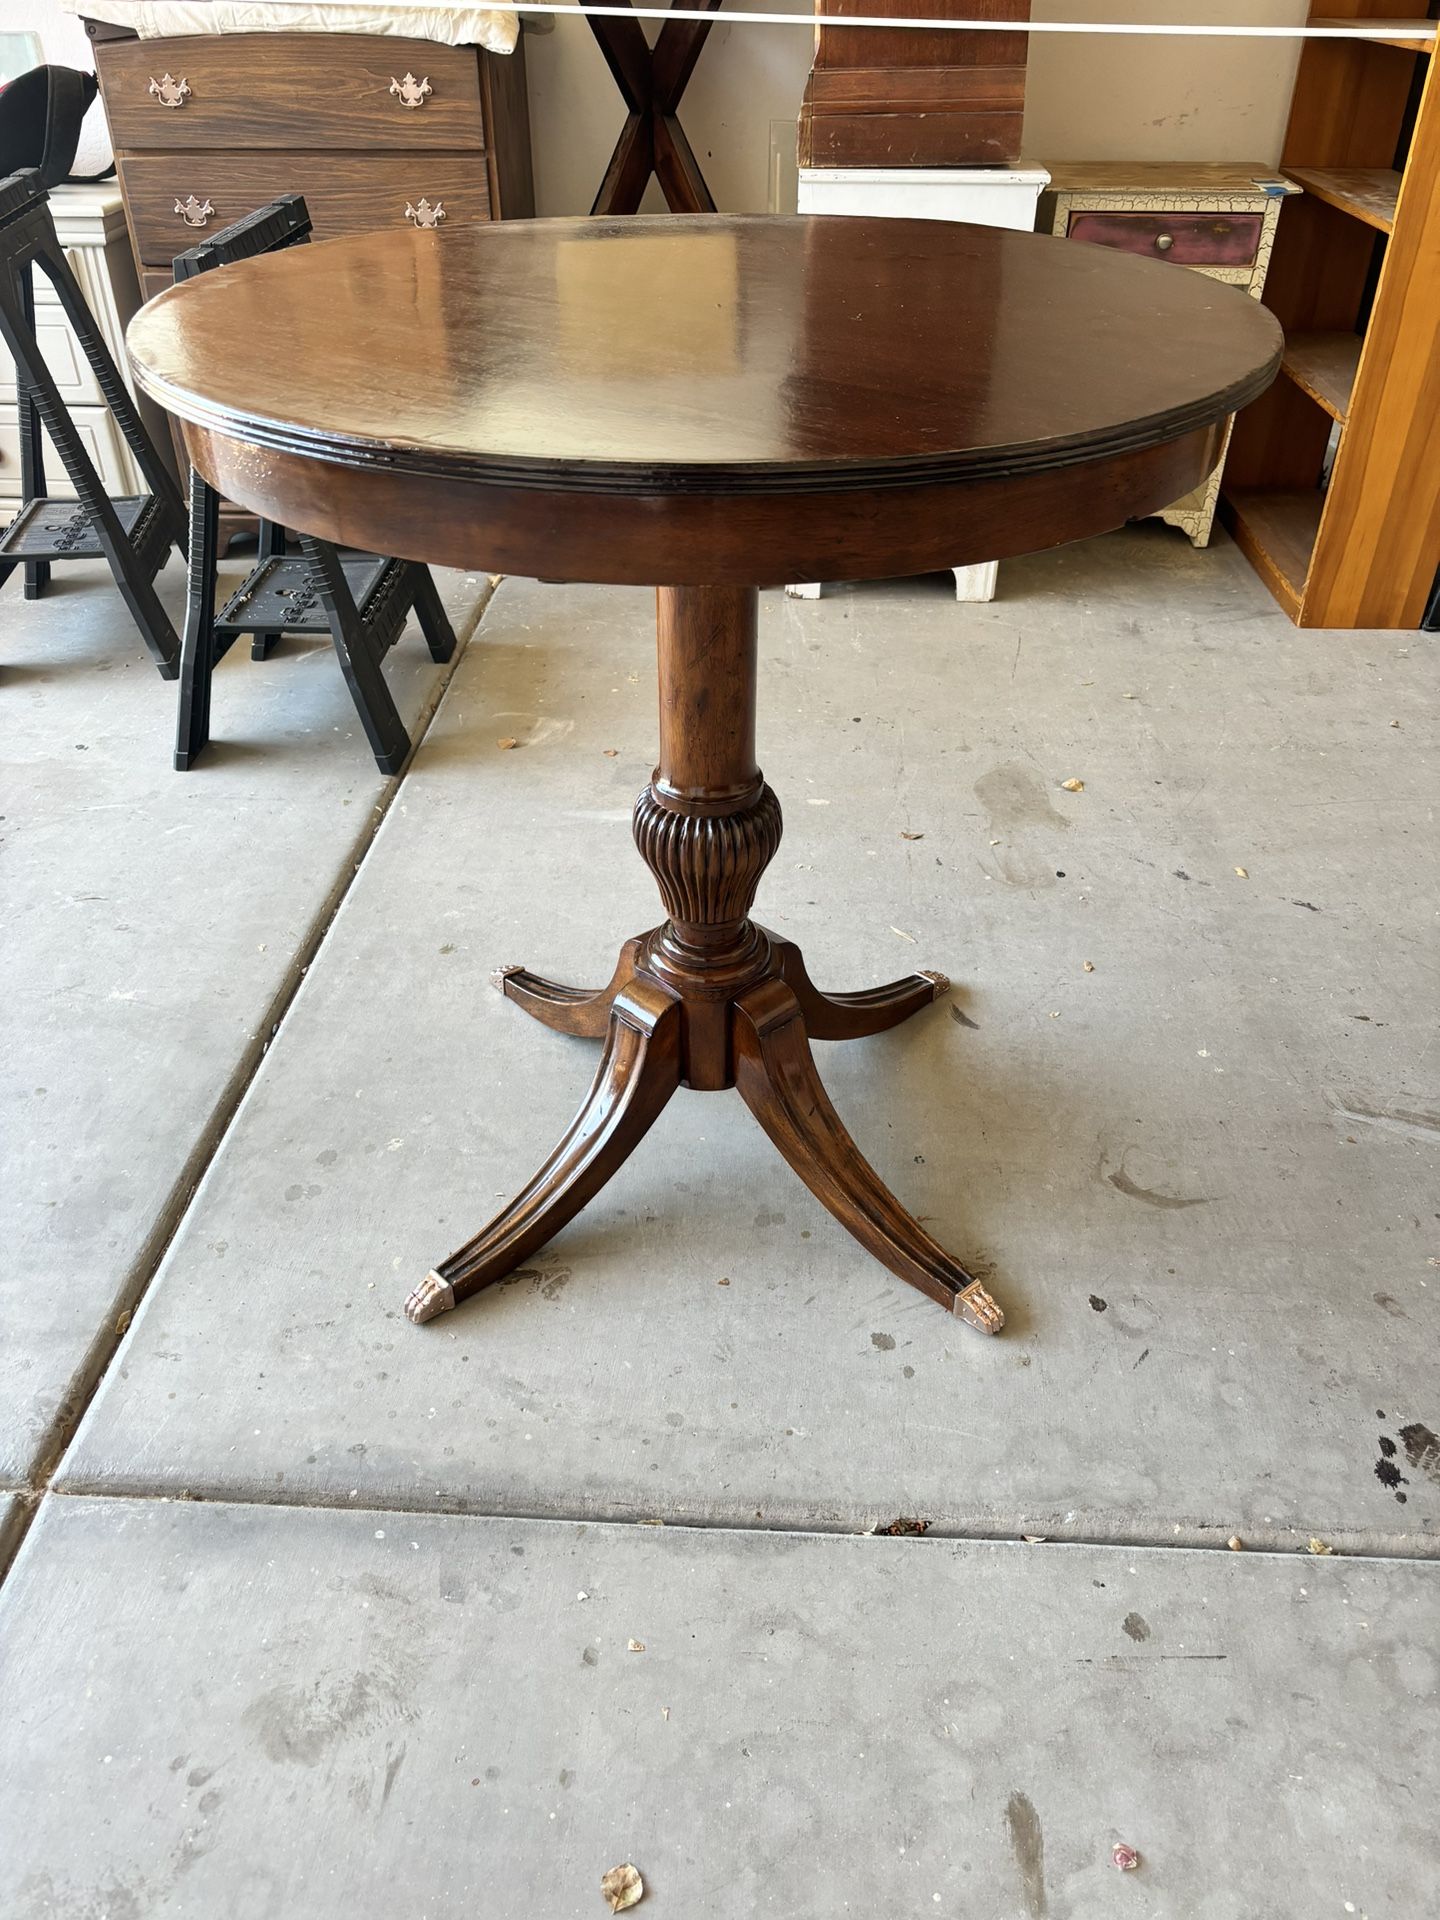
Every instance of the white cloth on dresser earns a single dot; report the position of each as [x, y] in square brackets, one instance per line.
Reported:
[489, 27]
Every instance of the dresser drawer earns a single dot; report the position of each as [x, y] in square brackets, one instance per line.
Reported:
[345, 193]
[1189, 239]
[291, 90]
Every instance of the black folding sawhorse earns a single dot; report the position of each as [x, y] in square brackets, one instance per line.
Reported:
[361, 600]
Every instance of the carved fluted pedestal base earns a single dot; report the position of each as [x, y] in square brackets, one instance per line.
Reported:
[709, 1000]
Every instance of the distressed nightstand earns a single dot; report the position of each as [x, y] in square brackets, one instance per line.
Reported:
[1219, 220]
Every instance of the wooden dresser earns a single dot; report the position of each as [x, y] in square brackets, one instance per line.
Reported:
[1219, 220]
[375, 131]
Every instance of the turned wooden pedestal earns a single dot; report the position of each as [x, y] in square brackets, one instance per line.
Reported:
[801, 400]
[708, 999]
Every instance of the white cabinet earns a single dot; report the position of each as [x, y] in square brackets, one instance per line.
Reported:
[985, 196]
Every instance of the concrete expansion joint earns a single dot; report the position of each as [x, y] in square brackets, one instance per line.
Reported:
[1289, 1544]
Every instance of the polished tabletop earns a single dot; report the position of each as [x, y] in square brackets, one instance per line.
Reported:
[713, 354]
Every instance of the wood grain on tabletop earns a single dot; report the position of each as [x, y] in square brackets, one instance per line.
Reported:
[713, 400]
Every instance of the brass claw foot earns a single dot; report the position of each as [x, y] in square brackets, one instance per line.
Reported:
[977, 1309]
[431, 1298]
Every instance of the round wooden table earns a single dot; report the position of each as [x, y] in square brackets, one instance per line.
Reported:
[705, 405]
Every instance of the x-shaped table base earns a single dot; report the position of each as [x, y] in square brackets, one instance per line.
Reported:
[652, 79]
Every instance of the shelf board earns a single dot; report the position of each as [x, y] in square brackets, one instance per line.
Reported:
[1387, 33]
[1275, 528]
[1323, 365]
[1366, 193]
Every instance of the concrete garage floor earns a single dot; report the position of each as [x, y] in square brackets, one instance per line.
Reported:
[154, 925]
[321, 1613]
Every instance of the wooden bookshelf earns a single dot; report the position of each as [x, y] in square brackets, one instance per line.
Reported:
[1365, 193]
[1276, 527]
[1324, 365]
[1332, 487]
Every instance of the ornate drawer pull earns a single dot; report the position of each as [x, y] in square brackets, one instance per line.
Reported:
[195, 213]
[422, 214]
[410, 92]
[169, 91]
[1164, 242]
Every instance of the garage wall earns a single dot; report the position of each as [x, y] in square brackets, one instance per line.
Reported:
[1088, 98]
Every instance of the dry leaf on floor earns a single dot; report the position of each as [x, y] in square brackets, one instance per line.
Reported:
[1242, 873]
[1073, 786]
[622, 1887]
[634, 1646]
[912, 836]
[901, 935]
[1126, 1858]
[612, 753]
[1089, 966]
[506, 744]
[1319, 1546]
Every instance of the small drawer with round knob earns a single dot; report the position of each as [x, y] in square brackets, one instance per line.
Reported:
[1187, 239]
